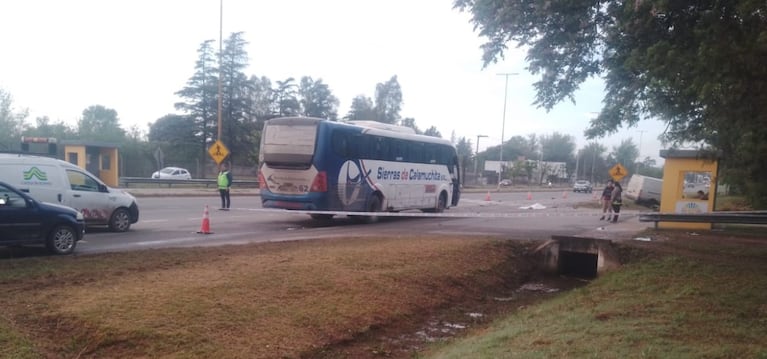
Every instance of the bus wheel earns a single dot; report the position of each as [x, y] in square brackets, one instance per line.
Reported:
[321, 217]
[373, 206]
[442, 203]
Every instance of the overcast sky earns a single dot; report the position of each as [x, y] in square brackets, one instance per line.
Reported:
[62, 56]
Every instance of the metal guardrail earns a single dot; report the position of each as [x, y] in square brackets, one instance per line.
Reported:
[207, 182]
[754, 217]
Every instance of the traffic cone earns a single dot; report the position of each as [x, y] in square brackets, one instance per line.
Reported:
[487, 197]
[529, 196]
[205, 227]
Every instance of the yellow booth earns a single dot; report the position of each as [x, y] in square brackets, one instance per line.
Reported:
[97, 158]
[689, 185]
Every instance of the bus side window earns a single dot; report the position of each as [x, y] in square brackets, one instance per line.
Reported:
[430, 152]
[415, 152]
[400, 150]
[340, 143]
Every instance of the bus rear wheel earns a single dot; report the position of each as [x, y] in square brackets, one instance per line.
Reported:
[374, 205]
[441, 204]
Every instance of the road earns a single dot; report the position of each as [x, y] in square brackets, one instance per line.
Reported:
[174, 222]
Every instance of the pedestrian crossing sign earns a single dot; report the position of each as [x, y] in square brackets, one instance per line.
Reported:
[218, 151]
[618, 172]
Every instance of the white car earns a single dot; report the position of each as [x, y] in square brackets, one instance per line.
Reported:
[172, 173]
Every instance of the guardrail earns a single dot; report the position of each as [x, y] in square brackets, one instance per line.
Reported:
[207, 182]
[754, 217]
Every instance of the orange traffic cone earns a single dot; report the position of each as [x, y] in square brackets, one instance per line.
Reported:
[205, 227]
[487, 197]
[529, 196]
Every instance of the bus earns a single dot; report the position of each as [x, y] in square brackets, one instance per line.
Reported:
[319, 165]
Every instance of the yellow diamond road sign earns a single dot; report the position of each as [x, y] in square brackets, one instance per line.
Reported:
[618, 172]
[218, 151]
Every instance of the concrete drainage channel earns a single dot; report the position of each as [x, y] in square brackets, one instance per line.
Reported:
[578, 256]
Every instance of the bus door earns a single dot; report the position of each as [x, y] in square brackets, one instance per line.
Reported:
[455, 180]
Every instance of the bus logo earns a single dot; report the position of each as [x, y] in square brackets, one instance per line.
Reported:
[35, 172]
[350, 180]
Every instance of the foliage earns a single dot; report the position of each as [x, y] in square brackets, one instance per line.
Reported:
[388, 101]
[286, 98]
[44, 128]
[174, 137]
[432, 131]
[464, 151]
[317, 100]
[200, 99]
[238, 122]
[11, 122]
[100, 124]
[410, 122]
[626, 154]
[361, 109]
[697, 66]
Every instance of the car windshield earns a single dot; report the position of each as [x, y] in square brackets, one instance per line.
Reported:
[582, 182]
[167, 170]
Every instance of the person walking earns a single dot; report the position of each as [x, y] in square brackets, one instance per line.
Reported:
[607, 208]
[224, 184]
[616, 200]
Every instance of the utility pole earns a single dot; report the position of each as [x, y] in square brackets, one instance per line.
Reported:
[220, 71]
[503, 125]
[641, 132]
[476, 158]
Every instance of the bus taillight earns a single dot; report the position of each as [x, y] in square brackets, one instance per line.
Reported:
[320, 183]
[261, 181]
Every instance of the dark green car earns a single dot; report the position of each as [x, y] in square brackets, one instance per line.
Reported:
[24, 220]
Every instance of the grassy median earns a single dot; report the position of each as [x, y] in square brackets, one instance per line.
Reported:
[681, 295]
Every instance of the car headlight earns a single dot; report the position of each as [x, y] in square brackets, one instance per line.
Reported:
[79, 216]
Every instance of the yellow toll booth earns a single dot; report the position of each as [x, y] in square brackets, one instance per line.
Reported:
[689, 185]
[99, 159]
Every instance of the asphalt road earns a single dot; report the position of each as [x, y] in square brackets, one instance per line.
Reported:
[174, 221]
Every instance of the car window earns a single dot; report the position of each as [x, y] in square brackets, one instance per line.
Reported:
[79, 181]
[11, 199]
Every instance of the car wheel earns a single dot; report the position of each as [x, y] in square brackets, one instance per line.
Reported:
[120, 221]
[62, 240]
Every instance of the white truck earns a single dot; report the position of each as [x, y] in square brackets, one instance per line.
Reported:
[644, 190]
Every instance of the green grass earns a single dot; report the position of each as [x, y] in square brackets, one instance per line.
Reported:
[669, 307]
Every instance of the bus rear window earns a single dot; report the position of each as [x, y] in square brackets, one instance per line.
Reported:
[289, 143]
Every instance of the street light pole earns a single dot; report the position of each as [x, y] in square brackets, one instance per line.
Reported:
[476, 157]
[503, 125]
[641, 132]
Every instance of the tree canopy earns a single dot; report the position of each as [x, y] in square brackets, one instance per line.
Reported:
[698, 66]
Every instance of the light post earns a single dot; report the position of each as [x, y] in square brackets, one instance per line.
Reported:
[641, 132]
[476, 156]
[503, 125]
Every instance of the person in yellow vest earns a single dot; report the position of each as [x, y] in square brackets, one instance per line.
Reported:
[224, 183]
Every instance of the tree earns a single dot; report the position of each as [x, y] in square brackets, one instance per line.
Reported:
[44, 128]
[11, 122]
[174, 135]
[238, 122]
[557, 148]
[698, 66]
[286, 97]
[361, 109]
[200, 100]
[464, 151]
[626, 154]
[388, 101]
[317, 100]
[100, 124]
[432, 131]
[410, 122]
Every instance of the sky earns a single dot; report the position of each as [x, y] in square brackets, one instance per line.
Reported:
[132, 56]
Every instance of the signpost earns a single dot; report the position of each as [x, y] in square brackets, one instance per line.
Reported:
[617, 172]
[218, 152]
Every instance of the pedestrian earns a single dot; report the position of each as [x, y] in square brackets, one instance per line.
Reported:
[607, 208]
[616, 200]
[224, 184]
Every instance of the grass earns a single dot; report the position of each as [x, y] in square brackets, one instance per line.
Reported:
[680, 296]
[697, 298]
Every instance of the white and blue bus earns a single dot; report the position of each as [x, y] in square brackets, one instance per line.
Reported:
[319, 165]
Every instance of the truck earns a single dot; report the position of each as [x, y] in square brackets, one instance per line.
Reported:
[644, 190]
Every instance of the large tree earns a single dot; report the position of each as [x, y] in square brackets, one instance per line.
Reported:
[388, 101]
[100, 124]
[286, 97]
[317, 100]
[200, 100]
[698, 66]
[361, 109]
[11, 122]
[239, 128]
[44, 128]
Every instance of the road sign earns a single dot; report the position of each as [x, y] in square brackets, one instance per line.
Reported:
[618, 172]
[218, 151]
